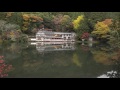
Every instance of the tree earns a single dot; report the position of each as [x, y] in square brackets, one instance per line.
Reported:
[114, 39]
[94, 17]
[31, 21]
[62, 22]
[80, 26]
[77, 22]
[101, 30]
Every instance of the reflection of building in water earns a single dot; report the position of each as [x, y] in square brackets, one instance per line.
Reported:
[53, 46]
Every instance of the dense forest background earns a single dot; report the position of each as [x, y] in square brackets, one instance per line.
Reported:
[16, 26]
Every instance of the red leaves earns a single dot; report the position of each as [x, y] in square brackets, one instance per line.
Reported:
[1, 61]
[1, 57]
[85, 35]
[4, 68]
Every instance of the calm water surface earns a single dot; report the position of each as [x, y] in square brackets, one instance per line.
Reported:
[57, 60]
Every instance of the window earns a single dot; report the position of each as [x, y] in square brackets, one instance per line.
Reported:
[39, 38]
[64, 38]
[68, 37]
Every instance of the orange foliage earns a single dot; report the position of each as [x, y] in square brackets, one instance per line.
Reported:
[28, 19]
[34, 21]
[9, 14]
[36, 18]
[107, 21]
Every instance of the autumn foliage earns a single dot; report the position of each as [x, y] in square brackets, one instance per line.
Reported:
[85, 35]
[9, 14]
[101, 29]
[107, 21]
[4, 68]
[62, 22]
[77, 22]
[29, 19]
[97, 23]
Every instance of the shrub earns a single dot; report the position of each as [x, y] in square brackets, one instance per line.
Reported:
[85, 35]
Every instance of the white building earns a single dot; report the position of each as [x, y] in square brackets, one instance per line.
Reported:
[54, 36]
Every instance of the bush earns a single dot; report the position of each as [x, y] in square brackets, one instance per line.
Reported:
[11, 32]
[23, 38]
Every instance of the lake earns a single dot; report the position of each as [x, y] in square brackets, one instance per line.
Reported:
[58, 60]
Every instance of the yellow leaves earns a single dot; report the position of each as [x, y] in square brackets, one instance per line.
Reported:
[11, 33]
[76, 23]
[26, 23]
[24, 28]
[9, 14]
[35, 18]
[26, 17]
[76, 60]
[19, 31]
[101, 29]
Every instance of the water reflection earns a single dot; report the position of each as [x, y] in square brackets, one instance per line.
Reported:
[53, 46]
[109, 74]
[4, 68]
[63, 60]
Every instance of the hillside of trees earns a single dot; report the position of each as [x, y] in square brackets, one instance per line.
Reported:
[103, 26]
